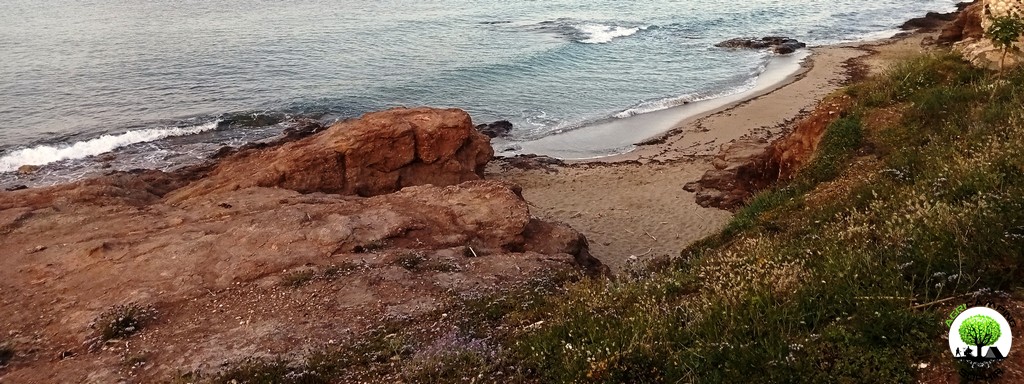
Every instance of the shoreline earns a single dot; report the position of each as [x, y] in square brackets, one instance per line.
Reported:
[609, 138]
[617, 139]
[634, 207]
[821, 72]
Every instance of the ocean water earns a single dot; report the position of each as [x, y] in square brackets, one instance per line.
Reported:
[154, 83]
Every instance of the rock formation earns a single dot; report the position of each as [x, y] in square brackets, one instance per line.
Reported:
[498, 128]
[967, 24]
[977, 48]
[212, 248]
[744, 168]
[930, 22]
[380, 153]
[778, 44]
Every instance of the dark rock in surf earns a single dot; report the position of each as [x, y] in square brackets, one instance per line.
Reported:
[257, 119]
[929, 22]
[778, 44]
[498, 128]
[743, 43]
[532, 162]
[223, 152]
[302, 128]
[789, 47]
[296, 130]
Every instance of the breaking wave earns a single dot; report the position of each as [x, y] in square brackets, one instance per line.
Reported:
[600, 33]
[45, 154]
[669, 102]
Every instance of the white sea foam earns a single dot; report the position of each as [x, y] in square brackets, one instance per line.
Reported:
[600, 34]
[666, 103]
[45, 154]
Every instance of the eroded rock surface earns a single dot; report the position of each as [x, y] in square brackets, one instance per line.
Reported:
[743, 168]
[967, 24]
[381, 152]
[269, 251]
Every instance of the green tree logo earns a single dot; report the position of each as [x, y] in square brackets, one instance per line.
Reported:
[980, 336]
[981, 331]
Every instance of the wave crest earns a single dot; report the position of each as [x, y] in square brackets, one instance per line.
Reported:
[669, 102]
[600, 33]
[46, 154]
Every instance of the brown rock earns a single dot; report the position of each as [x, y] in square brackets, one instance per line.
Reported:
[380, 153]
[967, 25]
[212, 263]
[747, 166]
[211, 247]
[27, 169]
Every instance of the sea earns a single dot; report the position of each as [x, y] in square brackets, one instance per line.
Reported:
[90, 86]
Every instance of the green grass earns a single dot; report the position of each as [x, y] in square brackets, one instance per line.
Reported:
[838, 144]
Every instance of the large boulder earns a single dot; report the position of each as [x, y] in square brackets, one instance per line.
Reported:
[381, 152]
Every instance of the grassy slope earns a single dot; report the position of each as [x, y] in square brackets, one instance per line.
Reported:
[916, 195]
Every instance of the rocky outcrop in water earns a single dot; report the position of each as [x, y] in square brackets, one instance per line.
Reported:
[268, 249]
[499, 128]
[930, 22]
[778, 44]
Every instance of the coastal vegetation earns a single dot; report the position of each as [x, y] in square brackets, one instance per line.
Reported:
[914, 200]
[122, 321]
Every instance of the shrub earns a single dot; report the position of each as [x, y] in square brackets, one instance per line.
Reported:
[123, 321]
[297, 279]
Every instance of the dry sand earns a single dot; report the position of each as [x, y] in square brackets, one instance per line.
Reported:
[633, 206]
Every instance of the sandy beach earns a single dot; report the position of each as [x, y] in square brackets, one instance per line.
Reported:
[633, 207]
